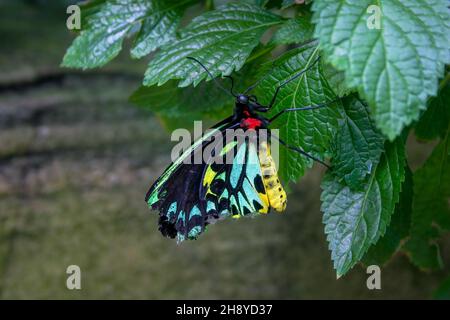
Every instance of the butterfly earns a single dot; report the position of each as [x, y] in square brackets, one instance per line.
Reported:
[191, 195]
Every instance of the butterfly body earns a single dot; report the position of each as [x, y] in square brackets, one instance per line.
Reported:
[275, 192]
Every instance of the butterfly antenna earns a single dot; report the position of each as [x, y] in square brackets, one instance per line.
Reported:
[232, 85]
[214, 79]
[253, 86]
[286, 81]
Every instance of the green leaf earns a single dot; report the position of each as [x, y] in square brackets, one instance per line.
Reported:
[159, 27]
[101, 39]
[424, 252]
[186, 119]
[260, 3]
[434, 122]
[355, 220]
[430, 208]
[395, 68]
[310, 130]
[288, 3]
[180, 107]
[336, 79]
[221, 39]
[172, 101]
[268, 4]
[295, 30]
[88, 9]
[358, 144]
[397, 230]
[443, 292]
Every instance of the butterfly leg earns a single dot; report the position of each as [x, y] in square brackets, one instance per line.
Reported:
[302, 152]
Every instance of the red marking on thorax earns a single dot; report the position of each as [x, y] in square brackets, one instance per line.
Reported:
[250, 123]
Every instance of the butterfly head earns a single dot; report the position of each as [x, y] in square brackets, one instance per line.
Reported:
[248, 103]
[246, 111]
[244, 106]
[242, 99]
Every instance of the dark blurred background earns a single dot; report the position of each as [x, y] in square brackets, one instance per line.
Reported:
[76, 160]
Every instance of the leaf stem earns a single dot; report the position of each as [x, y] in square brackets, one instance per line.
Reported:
[444, 81]
[260, 53]
[209, 5]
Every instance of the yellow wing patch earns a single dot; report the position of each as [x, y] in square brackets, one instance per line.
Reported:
[209, 176]
[265, 201]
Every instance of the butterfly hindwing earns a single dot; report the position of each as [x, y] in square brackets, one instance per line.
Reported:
[236, 187]
[176, 193]
[191, 196]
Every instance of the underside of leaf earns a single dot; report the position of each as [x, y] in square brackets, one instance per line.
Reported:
[358, 144]
[396, 64]
[221, 40]
[355, 220]
[101, 39]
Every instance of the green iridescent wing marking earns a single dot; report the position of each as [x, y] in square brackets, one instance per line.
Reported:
[156, 192]
[236, 188]
[191, 196]
[175, 194]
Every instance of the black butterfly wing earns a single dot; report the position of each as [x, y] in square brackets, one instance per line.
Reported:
[176, 193]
